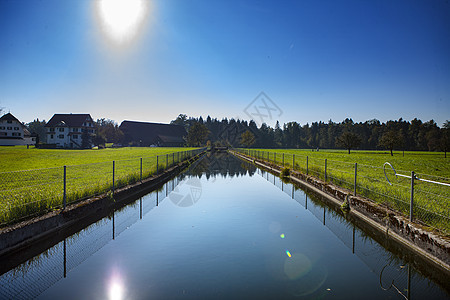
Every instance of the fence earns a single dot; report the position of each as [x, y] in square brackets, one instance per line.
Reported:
[32, 192]
[421, 197]
[396, 275]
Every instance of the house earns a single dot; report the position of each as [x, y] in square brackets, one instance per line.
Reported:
[153, 134]
[69, 130]
[13, 132]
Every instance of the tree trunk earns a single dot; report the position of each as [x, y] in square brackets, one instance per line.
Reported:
[348, 150]
[392, 154]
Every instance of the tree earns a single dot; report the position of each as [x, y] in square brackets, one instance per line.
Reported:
[197, 134]
[247, 139]
[348, 140]
[86, 139]
[391, 139]
[445, 138]
[37, 127]
[180, 120]
[108, 131]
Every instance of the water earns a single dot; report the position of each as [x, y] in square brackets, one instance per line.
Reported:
[222, 230]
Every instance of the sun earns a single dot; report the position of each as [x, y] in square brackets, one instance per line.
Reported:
[121, 19]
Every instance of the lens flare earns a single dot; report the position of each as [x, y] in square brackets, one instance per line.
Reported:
[282, 235]
[288, 253]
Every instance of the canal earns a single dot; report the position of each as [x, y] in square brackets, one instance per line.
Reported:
[223, 229]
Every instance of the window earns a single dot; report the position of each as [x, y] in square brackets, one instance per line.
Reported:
[9, 128]
[16, 134]
[61, 136]
[2, 128]
[9, 122]
[75, 136]
[2, 133]
[51, 136]
[61, 129]
[75, 129]
[16, 128]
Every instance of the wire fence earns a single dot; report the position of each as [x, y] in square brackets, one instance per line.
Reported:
[421, 197]
[396, 276]
[24, 194]
[30, 279]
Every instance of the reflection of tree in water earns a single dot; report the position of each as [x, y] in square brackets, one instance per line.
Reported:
[220, 163]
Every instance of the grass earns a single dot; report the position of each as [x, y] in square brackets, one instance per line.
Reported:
[32, 180]
[431, 201]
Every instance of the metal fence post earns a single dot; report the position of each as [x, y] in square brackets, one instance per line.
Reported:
[306, 165]
[141, 168]
[167, 161]
[412, 197]
[283, 159]
[114, 166]
[64, 195]
[325, 169]
[356, 173]
[293, 161]
[157, 161]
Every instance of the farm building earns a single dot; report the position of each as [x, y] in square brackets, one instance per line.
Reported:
[69, 130]
[13, 132]
[153, 134]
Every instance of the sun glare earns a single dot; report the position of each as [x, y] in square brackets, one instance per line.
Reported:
[121, 19]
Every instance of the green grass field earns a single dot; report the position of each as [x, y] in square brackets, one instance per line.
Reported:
[431, 201]
[32, 180]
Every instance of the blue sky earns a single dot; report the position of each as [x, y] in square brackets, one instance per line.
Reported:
[316, 60]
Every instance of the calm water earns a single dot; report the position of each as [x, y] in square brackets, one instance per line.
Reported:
[221, 230]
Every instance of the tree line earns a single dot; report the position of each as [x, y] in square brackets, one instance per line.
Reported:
[400, 134]
[369, 135]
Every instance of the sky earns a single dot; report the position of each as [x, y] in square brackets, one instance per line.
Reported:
[304, 61]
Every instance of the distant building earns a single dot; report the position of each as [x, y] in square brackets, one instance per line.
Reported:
[13, 132]
[153, 134]
[68, 130]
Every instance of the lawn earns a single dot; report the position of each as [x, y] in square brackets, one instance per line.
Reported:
[32, 180]
[431, 201]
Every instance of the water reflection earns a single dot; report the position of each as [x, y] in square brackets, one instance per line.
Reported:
[394, 273]
[30, 279]
[256, 243]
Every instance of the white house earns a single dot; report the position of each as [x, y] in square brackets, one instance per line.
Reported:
[13, 132]
[68, 130]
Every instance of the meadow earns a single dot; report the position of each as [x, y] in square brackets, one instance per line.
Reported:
[32, 180]
[431, 201]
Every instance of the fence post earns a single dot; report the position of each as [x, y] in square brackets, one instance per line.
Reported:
[306, 165]
[64, 195]
[293, 161]
[114, 166]
[157, 161]
[356, 173]
[283, 159]
[167, 161]
[325, 169]
[412, 197]
[141, 168]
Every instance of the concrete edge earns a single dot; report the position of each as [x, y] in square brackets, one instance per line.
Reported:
[354, 211]
[25, 233]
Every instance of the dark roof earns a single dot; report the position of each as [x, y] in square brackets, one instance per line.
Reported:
[9, 117]
[171, 139]
[70, 120]
[149, 133]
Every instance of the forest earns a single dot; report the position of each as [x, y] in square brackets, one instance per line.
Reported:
[369, 135]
